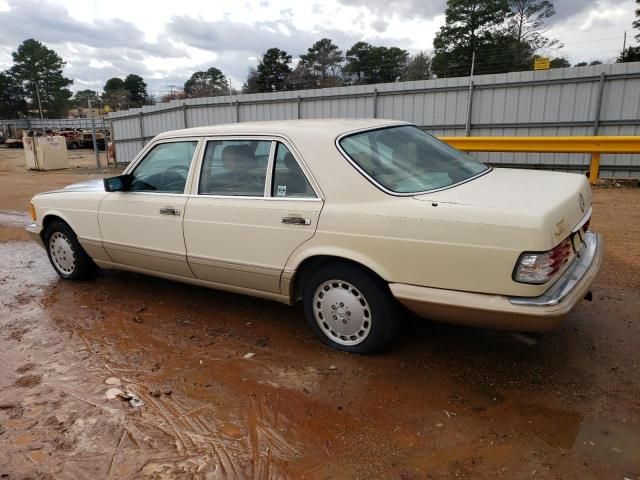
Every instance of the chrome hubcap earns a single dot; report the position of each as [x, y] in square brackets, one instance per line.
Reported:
[342, 312]
[62, 253]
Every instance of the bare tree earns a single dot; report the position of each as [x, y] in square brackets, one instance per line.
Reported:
[528, 22]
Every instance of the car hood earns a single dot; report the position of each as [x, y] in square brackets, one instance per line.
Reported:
[94, 185]
[553, 201]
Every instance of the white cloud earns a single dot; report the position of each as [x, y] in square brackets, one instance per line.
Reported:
[165, 43]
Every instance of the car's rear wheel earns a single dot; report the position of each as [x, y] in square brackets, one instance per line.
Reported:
[349, 308]
[66, 255]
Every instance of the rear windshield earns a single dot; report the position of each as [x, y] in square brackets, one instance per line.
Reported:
[407, 160]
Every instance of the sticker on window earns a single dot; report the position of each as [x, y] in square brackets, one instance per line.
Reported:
[282, 191]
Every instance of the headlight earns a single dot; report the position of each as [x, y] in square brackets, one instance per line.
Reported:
[540, 267]
[32, 212]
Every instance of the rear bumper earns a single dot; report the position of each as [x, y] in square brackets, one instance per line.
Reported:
[34, 233]
[534, 314]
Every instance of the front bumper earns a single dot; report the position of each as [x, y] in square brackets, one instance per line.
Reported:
[34, 232]
[534, 314]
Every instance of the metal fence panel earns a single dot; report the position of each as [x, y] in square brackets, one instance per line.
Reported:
[603, 100]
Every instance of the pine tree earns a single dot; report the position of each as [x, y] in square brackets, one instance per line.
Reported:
[38, 70]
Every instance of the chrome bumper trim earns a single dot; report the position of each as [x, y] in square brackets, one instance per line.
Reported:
[34, 232]
[569, 279]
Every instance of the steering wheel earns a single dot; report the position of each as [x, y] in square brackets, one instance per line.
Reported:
[172, 179]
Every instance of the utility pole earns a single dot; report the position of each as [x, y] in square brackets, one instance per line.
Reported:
[93, 134]
[229, 84]
[624, 44]
[39, 103]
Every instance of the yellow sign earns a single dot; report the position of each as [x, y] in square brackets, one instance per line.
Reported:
[541, 63]
[107, 108]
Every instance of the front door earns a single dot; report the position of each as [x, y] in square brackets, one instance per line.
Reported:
[142, 227]
[253, 207]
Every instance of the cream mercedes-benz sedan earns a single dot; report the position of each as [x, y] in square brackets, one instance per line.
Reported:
[352, 217]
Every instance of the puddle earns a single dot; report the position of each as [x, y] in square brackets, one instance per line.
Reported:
[616, 444]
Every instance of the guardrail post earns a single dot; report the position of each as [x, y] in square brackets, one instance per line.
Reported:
[375, 103]
[184, 115]
[594, 169]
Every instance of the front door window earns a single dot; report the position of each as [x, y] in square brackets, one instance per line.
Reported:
[165, 168]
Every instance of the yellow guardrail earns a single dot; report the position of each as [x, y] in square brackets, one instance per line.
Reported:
[593, 145]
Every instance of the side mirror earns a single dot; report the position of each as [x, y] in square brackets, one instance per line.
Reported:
[121, 183]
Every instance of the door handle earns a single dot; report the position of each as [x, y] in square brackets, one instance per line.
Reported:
[296, 221]
[169, 211]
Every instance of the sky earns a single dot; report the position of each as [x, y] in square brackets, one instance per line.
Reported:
[165, 42]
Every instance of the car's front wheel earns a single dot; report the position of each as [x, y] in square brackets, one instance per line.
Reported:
[67, 256]
[349, 308]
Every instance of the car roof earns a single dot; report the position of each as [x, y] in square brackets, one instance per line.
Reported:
[330, 127]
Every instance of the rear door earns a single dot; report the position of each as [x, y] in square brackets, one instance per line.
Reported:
[253, 205]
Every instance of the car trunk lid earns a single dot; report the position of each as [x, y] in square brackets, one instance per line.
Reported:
[556, 202]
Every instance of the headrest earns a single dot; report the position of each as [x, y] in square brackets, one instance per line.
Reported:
[290, 162]
[238, 157]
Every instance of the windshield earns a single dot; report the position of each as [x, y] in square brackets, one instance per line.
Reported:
[407, 160]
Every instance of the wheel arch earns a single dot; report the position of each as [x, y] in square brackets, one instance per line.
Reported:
[314, 261]
[53, 216]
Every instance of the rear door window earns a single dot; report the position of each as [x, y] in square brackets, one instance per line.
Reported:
[235, 168]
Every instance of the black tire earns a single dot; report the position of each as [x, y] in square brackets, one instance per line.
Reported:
[73, 146]
[363, 293]
[65, 253]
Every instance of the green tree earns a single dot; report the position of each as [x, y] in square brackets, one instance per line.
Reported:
[323, 60]
[418, 67]
[12, 97]
[470, 26]
[630, 54]
[273, 70]
[82, 97]
[207, 84]
[38, 70]
[357, 67]
[368, 64]
[115, 95]
[113, 84]
[137, 88]
[559, 62]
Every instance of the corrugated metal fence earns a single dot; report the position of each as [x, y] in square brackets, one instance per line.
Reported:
[598, 100]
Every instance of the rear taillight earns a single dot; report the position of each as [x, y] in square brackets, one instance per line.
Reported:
[540, 267]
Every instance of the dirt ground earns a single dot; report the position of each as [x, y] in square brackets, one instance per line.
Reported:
[444, 402]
